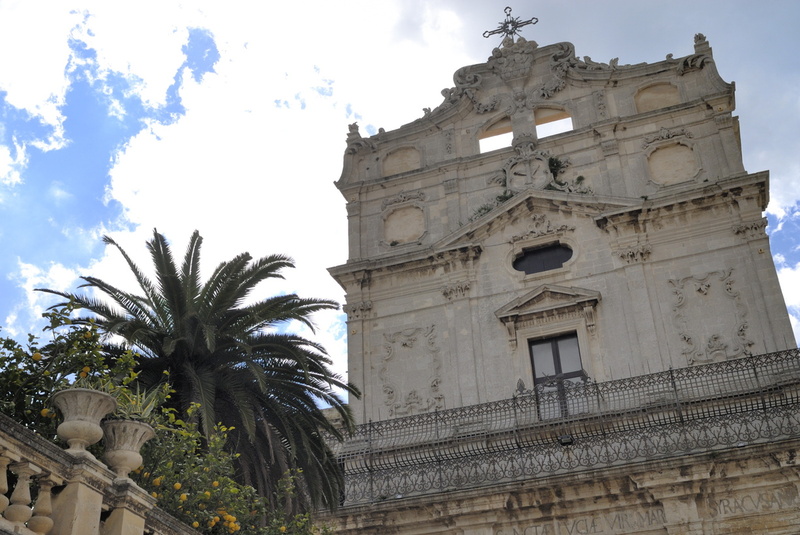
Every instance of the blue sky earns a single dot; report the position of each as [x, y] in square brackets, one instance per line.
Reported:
[230, 118]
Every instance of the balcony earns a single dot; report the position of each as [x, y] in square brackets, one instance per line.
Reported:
[73, 495]
[577, 427]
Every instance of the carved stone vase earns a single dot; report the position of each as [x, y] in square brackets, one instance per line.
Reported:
[82, 409]
[123, 440]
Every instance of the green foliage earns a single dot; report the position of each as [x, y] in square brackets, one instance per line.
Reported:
[556, 166]
[230, 355]
[488, 207]
[191, 475]
[68, 356]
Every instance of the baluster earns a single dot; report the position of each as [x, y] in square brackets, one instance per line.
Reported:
[20, 511]
[3, 482]
[41, 523]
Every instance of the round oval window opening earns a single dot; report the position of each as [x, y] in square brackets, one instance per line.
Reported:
[543, 258]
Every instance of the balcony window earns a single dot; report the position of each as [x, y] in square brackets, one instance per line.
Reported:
[557, 366]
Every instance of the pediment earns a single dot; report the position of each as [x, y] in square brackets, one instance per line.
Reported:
[541, 211]
[548, 298]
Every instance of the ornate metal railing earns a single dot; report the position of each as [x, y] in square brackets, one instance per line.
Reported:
[582, 426]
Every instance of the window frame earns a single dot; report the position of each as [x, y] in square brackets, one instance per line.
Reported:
[560, 381]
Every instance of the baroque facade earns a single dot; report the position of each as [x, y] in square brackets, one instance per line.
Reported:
[580, 332]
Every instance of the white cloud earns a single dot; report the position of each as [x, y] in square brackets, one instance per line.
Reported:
[789, 277]
[35, 53]
[25, 316]
[253, 176]
[11, 166]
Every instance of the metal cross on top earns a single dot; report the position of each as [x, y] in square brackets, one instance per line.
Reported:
[510, 27]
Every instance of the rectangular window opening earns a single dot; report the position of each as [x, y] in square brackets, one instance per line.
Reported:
[557, 371]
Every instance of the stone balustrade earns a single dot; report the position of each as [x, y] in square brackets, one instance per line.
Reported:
[74, 495]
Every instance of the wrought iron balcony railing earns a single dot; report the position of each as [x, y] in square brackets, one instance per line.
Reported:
[580, 426]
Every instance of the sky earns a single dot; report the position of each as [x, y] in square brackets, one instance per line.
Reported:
[231, 117]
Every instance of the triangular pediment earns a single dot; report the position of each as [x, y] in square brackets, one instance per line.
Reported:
[548, 298]
[524, 205]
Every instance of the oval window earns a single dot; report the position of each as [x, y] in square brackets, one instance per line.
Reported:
[542, 258]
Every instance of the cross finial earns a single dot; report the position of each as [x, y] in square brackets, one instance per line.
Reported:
[510, 27]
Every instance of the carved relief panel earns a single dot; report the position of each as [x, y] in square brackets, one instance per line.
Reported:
[711, 317]
[410, 372]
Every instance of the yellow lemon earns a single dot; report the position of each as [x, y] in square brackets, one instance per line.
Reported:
[215, 484]
[176, 486]
[195, 524]
[45, 412]
[184, 497]
[86, 369]
[36, 357]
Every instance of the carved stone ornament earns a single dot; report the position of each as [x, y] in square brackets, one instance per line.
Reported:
[513, 60]
[751, 230]
[356, 143]
[82, 409]
[693, 62]
[537, 169]
[357, 311]
[456, 290]
[635, 254]
[665, 134]
[403, 197]
[410, 372]
[540, 225]
[710, 317]
[123, 440]
[528, 169]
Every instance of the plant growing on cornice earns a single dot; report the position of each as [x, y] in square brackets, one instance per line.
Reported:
[556, 166]
[489, 206]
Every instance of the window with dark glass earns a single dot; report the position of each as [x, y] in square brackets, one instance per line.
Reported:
[542, 258]
[556, 366]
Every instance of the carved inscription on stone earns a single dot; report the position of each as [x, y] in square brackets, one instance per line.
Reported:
[411, 372]
[710, 316]
[609, 523]
[743, 504]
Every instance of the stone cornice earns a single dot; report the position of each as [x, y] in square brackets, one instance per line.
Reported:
[428, 258]
[690, 198]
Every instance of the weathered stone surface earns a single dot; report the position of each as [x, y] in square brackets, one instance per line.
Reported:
[670, 267]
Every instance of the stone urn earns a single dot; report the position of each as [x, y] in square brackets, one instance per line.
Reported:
[123, 440]
[82, 409]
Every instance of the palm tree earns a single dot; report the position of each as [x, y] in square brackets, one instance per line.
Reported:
[226, 354]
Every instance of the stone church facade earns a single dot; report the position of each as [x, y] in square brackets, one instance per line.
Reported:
[579, 332]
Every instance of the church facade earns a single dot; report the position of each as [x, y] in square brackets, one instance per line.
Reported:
[581, 331]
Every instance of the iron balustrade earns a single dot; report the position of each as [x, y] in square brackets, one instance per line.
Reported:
[547, 431]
